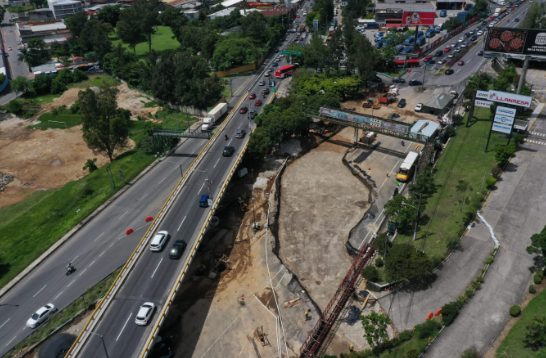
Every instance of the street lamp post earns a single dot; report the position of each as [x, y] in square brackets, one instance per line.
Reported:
[102, 339]
[206, 171]
[179, 166]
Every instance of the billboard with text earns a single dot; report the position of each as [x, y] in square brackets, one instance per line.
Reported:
[516, 41]
[417, 18]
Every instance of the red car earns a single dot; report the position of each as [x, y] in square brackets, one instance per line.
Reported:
[461, 63]
[428, 58]
[243, 110]
[447, 49]
[491, 18]
[252, 96]
[258, 103]
[298, 16]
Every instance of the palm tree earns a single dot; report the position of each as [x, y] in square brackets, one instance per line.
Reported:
[25, 56]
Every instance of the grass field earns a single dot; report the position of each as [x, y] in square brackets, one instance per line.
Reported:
[513, 346]
[161, 40]
[59, 318]
[48, 120]
[31, 226]
[48, 98]
[96, 81]
[464, 159]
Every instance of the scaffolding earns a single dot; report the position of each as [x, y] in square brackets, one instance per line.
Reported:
[315, 339]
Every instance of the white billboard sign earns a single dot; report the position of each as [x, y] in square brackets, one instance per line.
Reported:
[510, 98]
[505, 111]
[501, 128]
[485, 104]
[482, 94]
[504, 120]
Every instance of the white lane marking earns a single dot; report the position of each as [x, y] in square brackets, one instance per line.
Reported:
[74, 259]
[229, 143]
[216, 163]
[11, 341]
[71, 283]
[164, 178]
[91, 264]
[102, 253]
[98, 237]
[201, 187]
[39, 291]
[58, 295]
[160, 261]
[181, 224]
[112, 244]
[123, 215]
[81, 273]
[5, 323]
[130, 314]
[142, 197]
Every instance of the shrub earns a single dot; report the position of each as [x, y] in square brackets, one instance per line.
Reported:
[405, 336]
[503, 153]
[471, 352]
[75, 108]
[427, 329]
[532, 289]
[490, 181]
[537, 278]
[450, 131]
[515, 311]
[371, 274]
[496, 172]
[15, 107]
[412, 353]
[518, 139]
[489, 260]
[90, 164]
[379, 262]
[449, 312]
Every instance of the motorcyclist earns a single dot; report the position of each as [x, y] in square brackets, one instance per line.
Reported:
[226, 137]
[70, 267]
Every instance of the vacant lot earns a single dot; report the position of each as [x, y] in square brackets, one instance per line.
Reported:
[464, 159]
[161, 40]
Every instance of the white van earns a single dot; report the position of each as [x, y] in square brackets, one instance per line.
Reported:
[207, 124]
[159, 240]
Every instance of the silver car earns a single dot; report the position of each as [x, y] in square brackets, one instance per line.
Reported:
[145, 313]
[41, 315]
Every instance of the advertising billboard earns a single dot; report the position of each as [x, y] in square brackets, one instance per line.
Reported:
[505, 111]
[482, 94]
[481, 103]
[501, 128]
[504, 120]
[510, 98]
[415, 18]
[372, 122]
[516, 41]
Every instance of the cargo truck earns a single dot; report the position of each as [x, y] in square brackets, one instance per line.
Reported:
[408, 166]
[213, 116]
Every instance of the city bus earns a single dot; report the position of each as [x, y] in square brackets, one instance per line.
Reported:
[410, 63]
[285, 71]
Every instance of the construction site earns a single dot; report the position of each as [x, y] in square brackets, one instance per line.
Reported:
[280, 274]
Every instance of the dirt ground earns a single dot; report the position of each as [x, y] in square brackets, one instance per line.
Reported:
[40, 160]
[407, 114]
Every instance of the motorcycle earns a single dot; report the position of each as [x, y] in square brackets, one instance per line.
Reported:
[69, 270]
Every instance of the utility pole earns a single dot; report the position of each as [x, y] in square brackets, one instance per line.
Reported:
[417, 218]
[102, 339]
[523, 74]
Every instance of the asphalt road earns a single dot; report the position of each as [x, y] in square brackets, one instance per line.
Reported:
[472, 62]
[16, 67]
[154, 274]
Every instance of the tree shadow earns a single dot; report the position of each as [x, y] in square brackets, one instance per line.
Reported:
[538, 263]
[4, 269]
[421, 284]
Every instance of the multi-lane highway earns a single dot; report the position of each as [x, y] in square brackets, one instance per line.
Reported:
[102, 245]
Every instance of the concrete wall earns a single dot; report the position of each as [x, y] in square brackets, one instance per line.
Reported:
[240, 69]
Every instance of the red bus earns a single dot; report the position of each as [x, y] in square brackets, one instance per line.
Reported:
[284, 71]
[410, 63]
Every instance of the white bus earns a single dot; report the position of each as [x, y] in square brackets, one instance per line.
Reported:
[407, 167]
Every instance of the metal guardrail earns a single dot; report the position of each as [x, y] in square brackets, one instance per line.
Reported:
[100, 309]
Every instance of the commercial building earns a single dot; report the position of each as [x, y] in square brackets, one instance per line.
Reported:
[64, 8]
[390, 12]
[38, 15]
[424, 130]
[52, 31]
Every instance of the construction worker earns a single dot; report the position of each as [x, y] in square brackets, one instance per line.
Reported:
[351, 348]
[307, 314]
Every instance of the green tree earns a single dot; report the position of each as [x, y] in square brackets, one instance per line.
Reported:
[234, 52]
[534, 19]
[20, 84]
[253, 27]
[401, 211]
[110, 14]
[129, 32]
[26, 56]
[258, 144]
[535, 333]
[364, 57]
[538, 243]
[105, 126]
[315, 52]
[375, 329]
[370, 273]
[172, 17]
[505, 78]
[76, 23]
[149, 11]
[2, 13]
[95, 38]
[450, 311]
[403, 261]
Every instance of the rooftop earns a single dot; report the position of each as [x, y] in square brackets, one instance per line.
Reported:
[425, 127]
[401, 7]
[440, 101]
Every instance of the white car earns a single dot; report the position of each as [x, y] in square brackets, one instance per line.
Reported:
[41, 315]
[144, 313]
[480, 33]
[461, 39]
[159, 240]
[419, 107]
